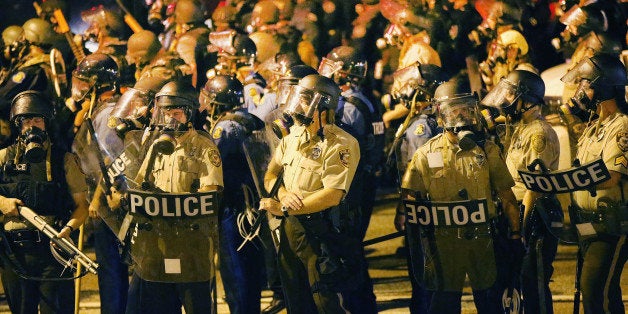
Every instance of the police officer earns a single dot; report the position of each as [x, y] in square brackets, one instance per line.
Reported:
[316, 162]
[520, 98]
[193, 165]
[601, 81]
[455, 169]
[39, 174]
[230, 125]
[95, 83]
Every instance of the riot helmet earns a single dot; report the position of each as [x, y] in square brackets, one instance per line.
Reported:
[418, 81]
[599, 78]
[224, 16]
[458, 111]
[353, 65]
[103, 23]
[519, 84]
[234, 50]
[12, 34]
[264, 13]
[579, 21]
[274, 68]
[290, 79]
[131, 111]
[503, 13]
[189, 12]
[142, 47]
[31, 105]
[98, 72]
[38, 32]
[313, 92]
[220, 94]
[175, 106]
[266, 45]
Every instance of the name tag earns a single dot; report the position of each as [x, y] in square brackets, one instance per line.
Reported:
[378, 128]
[446, 214]
[565, 181]
[168, 205]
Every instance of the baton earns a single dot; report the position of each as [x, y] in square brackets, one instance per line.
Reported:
[383, 238]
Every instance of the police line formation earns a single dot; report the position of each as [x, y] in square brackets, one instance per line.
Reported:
[251, 137]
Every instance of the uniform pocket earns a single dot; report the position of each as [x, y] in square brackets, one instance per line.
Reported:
[438, 183]
[310, 177]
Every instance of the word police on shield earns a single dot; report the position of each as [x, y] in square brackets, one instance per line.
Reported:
[169, 205]
[446, 214]
[572, 179]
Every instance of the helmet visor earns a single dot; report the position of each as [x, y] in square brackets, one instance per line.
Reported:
[574, 16]
[586, 69]
[172, 118]
[284, 89]
[329, 67]
[459, 112]
[303, 102]
[502, 96]
[406, 80]
[80, 87]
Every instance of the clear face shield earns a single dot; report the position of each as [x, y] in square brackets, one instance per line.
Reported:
[284, 88]
[328, 67]
[95, 17]
[460, 117]
[584, 74]
[572, 19]
[170, 115]
[302, 103]
[81, 86]
[503, 97]
[131, 111]
[409, 83]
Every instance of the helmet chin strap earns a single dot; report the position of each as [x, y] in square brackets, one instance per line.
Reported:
[320, 126]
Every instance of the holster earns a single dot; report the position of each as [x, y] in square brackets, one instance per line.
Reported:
[339, 263]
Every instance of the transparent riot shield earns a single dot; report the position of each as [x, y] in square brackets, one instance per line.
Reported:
[258, 149]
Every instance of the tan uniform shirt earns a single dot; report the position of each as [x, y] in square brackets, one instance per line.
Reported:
[311, 164]
[530, 141]
[610, 142]
[440, 169]
[195, 157]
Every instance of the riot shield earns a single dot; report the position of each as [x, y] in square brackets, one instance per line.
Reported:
[174, 236]
[258, 149]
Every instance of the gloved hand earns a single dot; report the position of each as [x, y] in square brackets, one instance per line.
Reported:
[400, 218]
[9, 205]
[517, 250]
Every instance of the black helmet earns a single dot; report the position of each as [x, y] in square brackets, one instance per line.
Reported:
[221, 93]
[603, 73]
[244, 46]
[422, 78]
[189, 12]
[131, 111]
[97, 70]
[142, 47]
[353, 64]
[30, 103]
[38, 31]
[582, 20]
[519, 84]
[457, 105]
[311, 93]
[291, 78]
[176, 94]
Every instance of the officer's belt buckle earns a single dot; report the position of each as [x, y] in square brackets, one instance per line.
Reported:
[23, 237]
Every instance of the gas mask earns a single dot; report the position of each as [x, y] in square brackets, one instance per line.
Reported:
[34, 139]
[300, 107]
[175, 120]
[461, 118]
[130, 112]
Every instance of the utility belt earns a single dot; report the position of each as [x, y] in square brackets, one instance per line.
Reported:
[25, 238]
[341, 217]
[611, 219]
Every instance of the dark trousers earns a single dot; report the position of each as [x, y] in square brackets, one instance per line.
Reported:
[533, 284]
[113, 273]
[166, 297]
[241, 271]
[271, 266]
[449, 302]
[297, 269]
[24, 296]
[604, 260]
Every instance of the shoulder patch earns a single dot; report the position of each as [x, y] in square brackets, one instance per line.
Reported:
[214, 158]
[344, 157]
[420, 129]
[18, 77]
[217, 132]
[255, 96]
[538, 142]
[622, 141]
[621, 161]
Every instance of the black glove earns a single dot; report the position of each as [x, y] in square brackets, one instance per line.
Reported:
[517, 250]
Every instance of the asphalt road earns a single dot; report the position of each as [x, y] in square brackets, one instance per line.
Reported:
[389, 273]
